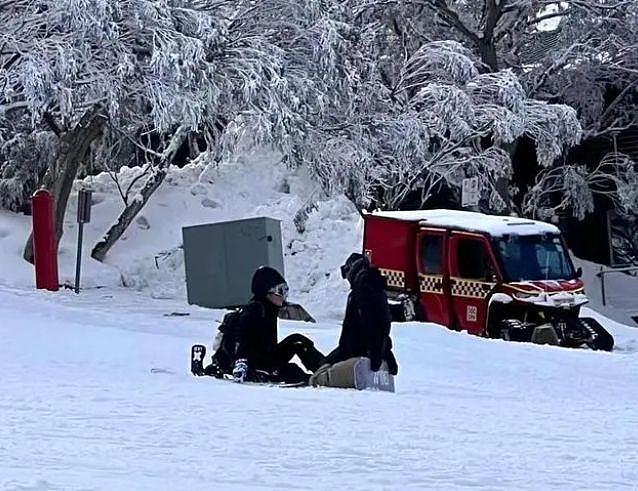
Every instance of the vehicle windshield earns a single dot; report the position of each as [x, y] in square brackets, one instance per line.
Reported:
[534, 257]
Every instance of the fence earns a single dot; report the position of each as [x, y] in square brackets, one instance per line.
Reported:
[601, 274]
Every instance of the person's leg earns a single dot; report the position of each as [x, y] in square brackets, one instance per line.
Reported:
[340, 374]
[291, 373]
[300, 345]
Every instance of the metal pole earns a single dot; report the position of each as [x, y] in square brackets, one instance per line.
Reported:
[602, 285]
[84, 216]
[78, 261]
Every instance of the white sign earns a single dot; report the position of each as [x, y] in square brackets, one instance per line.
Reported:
[470, 192]
[472, 313]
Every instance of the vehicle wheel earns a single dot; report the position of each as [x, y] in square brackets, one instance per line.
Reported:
[603, 340]
[515, 330]
[402, 310]
[408, 310]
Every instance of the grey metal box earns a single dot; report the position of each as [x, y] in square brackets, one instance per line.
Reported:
[220, 259]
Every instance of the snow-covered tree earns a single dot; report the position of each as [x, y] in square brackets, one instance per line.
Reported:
[25, 156]
[438, 121]
[171, 66]
[380, 99]
[573, 187]
[576, 52]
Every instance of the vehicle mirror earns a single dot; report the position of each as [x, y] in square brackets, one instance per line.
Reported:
[579, 272]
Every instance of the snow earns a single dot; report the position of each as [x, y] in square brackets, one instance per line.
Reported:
[621, 292]
[82, 410]
[471, 221]
[95, 391]
[13, 235]
[149, 257]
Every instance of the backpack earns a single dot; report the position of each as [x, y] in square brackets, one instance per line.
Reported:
[226, 342]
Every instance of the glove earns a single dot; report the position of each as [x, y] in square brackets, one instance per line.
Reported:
[240, 370]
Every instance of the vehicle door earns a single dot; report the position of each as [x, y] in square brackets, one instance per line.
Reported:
[433, 278]
[473, 275]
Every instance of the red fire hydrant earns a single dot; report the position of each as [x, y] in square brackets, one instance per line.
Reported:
[45, 248]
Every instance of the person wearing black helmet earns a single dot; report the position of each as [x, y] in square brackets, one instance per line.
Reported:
[366, 326]
[258, 356]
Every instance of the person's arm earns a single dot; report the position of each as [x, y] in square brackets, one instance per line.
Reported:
[242, 334]
[248, 320]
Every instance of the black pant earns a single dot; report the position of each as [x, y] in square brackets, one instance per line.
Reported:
[301, 346]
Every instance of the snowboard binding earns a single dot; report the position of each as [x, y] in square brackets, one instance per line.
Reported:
[198, 353]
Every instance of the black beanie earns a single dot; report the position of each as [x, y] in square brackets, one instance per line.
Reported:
[264, 279]
[353, 265]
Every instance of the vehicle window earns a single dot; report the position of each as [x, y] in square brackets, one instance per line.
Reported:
[551, 259]
[432, 254]
[473, 261]
[532, 258]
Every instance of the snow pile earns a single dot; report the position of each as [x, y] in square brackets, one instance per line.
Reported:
[149, 257]
[13, 270]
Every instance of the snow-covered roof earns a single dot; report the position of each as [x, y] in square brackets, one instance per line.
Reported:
[471, 221]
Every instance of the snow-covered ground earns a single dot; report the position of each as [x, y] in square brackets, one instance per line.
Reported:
[81, 409]
[95, 391]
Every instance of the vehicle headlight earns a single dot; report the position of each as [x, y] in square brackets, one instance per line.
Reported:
[523, 296]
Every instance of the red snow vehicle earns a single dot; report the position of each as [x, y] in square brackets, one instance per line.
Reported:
[502, 277]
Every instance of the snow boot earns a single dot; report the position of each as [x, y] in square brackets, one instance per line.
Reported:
[353, 373]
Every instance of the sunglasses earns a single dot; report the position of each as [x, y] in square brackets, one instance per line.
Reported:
[280, 290]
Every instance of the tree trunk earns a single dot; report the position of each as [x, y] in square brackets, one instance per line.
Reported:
[488, 54]
[503, 183]
[72, 150]
[133, 208]
[486, 42]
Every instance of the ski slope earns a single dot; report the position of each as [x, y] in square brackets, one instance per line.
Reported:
[81, 409]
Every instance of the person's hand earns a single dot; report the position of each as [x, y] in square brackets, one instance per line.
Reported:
[240, 370]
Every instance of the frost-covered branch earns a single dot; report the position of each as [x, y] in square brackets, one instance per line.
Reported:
[573, 187]
[444, 122]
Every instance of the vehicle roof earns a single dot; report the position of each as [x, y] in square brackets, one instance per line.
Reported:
[471, 221]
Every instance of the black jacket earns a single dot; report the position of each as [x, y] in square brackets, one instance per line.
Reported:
[256, 336]
[366, 325]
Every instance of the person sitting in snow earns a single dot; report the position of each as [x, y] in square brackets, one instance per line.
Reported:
[257, 355]
[365, 330]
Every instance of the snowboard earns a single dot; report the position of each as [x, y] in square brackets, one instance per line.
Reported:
[198, 353]
[364, 378]
[283, 385]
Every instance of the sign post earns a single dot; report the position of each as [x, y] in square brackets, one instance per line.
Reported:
[84, 216]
